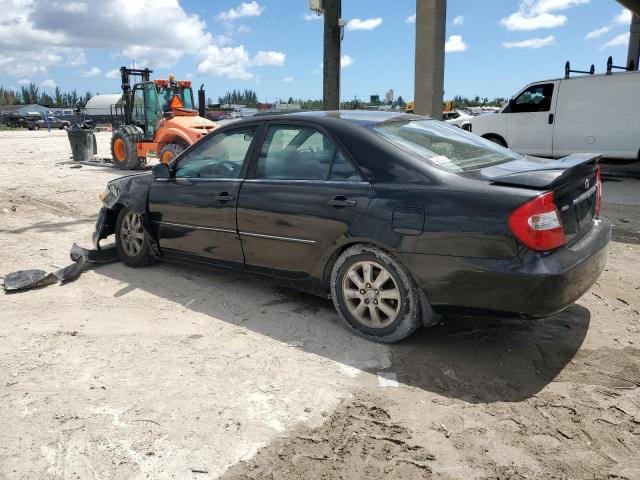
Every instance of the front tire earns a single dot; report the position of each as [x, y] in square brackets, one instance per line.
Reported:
[375, 295]
[35, 127]
[171, 151]
[123, 148]
[132, 243]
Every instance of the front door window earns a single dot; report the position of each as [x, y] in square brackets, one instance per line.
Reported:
[220, 156]
[534, 99]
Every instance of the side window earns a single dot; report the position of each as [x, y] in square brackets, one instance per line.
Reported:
[295, 153]
[342, 169]
[219, 156]
[534, 99]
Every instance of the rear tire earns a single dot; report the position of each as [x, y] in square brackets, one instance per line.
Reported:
[132, 242]
[171, 151]
[375, 295]
[123, 148]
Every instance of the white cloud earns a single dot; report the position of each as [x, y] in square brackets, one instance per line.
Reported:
[458, 20]
[92, 72]
[74, 7]
[518, 21]
[537, 14]
[597, 33]
[233, 62]
[455, 43]
[36, 35]
[345, 61]
[410, 19]
[531, 43]
[115, 73]
[250, 9]
[269, 58]
[624, 17]
[545, 6]
[621, 40]
[368, 24]
[24, 81]
[48, 84]
[288, 79]
[310, 17]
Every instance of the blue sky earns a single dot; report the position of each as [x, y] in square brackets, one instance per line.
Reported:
[275, 46]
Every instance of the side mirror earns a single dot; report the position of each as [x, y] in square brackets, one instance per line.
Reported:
[510, 105]
[161, 170]
[167, 115]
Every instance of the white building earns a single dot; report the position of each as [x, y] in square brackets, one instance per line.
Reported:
[389, 96]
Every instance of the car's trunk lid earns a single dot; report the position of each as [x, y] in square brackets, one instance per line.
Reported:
[572, 179]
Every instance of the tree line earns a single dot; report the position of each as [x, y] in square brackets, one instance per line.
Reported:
[32, 94]
[245, 97]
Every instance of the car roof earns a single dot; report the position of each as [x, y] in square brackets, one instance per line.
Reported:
[364, 118]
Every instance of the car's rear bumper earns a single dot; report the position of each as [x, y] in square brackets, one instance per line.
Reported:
[536, 284]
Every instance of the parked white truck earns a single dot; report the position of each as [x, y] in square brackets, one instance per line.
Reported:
[585, 114]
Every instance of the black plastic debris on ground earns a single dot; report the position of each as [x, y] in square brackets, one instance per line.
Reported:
[81, 257]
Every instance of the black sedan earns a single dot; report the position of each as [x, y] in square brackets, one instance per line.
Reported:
[396, 217]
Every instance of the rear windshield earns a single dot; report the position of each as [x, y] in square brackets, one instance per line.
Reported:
[444, 146]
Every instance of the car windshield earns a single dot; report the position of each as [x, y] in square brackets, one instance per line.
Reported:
[444, 146]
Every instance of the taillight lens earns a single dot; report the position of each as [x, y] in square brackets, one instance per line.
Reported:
[598, 192]
[537, 223]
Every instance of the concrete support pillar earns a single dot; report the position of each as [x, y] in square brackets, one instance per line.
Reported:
[331, 61]
[634, 41]
[431, 16]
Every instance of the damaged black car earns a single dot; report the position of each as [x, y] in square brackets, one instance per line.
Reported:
[395, 217]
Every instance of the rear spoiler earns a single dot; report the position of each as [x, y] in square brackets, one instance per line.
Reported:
[541, 173]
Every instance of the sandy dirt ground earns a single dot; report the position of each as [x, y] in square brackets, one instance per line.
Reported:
[177, 372]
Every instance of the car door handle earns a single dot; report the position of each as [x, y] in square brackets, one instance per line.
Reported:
[341, 201]
[224, 197]
[551, 119]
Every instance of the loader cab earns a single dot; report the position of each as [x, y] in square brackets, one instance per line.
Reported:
[175, 97]
[145, 108]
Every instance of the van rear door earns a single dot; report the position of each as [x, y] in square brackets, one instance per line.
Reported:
[531, 118]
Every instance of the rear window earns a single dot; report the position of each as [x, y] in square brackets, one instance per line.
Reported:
[444, 146]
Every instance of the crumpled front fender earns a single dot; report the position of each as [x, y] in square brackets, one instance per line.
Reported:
[130, 192]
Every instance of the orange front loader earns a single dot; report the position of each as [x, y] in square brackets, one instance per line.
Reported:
[160, 120]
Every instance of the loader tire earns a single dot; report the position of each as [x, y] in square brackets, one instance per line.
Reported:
[123, 148]
[170, 151]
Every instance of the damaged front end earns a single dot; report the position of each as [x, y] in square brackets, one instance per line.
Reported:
[129, 192]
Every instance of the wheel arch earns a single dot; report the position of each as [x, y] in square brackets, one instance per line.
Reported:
[173, 135]
[340, 249]
[489, 136]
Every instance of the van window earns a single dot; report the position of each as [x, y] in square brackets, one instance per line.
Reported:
[534, 99]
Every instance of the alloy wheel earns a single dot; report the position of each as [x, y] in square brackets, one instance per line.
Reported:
[131, 234]
[371, 294]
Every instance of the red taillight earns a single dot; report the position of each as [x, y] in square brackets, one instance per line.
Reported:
[537, 223]
[598, 191]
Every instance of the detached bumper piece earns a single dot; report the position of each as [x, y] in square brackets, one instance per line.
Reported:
[81, 257]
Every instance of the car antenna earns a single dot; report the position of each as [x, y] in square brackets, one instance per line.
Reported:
[610, 66]
[568, 71]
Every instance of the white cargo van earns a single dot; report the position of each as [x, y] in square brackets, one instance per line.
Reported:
[586, 114]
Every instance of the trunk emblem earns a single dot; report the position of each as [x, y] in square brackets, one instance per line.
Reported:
[586, 183]
[564, 208]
